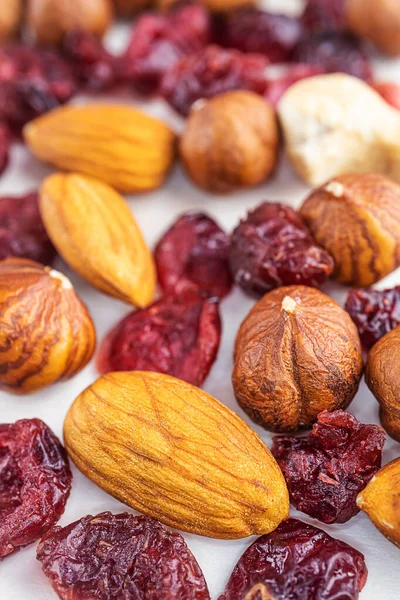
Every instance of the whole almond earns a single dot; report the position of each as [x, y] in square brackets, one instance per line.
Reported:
[171, 451]
[93, 229]
[115, 143]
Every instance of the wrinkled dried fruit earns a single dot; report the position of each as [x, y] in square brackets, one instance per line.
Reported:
[178, 335]
[272, 247]
[389, 91]
[297, 353]
[121, 557]
[210, 72]
[325, 470]
[159, 41]
[300, 562]
[22, 233]
[275, 87]
[35, 481]
[375, 312]
[324, 15]
[5, 145]
[193, 254]
[175, 453]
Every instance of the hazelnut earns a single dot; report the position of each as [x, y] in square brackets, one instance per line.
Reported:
[377, 20]
[356, 218]
[380, 500]
[230, 141]
[297, 353]
[382, 375]
[49, 20]
[46, 333]
[10, 18]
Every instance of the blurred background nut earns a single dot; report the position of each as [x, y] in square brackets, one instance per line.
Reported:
[46, 332]
[230, 141]
[127, 8]
[297, 353]
[377, 20]
[219, 6]
[10, 18]
[356, 218]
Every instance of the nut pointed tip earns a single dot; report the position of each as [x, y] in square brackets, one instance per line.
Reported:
[289, 305]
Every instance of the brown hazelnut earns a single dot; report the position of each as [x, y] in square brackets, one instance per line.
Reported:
[297, 353]
[230, 141]
[127, 8]
[10, 18]
[382, 375]
[356, 218]
[377, 20]
[49, 20]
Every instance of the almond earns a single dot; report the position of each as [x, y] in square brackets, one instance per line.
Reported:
[94, 231]
[115, 143]
[171, 451]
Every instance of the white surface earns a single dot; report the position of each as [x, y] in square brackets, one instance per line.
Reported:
[20, 574]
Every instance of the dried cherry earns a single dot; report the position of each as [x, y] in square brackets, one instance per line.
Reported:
[159, 41]
[276, 87]
[5, 145]
[178, 335]
[35, 482]
[272, 247]
[193, 254]
[375, 312]
[22, 233]
[326, 469]
[300, 562]
[324, 15]
[209, 72]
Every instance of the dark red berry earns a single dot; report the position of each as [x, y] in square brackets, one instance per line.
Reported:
[276, 87]
[193, 254]
[210, 72]
[120, 557]
[22, 233]
[178, 335]
[300, 562]
[324, 15]
[272, 247]
[326, 469]
[5, 146]
[375, 312]
[35, 482]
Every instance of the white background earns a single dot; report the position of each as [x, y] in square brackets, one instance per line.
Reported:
[20, 574]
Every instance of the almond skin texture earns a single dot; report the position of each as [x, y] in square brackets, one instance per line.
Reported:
[46, 333]
[94, 231]
[297, 353]
[10, 18]
[118, 144]
[380, 500]
[356, 218]
[171, 451]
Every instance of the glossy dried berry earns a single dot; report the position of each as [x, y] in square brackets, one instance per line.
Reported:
[5, 146]
[22, 233]
[159, 41]
[178, 336]
[375, 312]
[300, 562]
[272, 248]
[327, 469]
[277, 86]
[35, 482]
[209, 72]
[122, 557]
[324, 15]
[193, 254]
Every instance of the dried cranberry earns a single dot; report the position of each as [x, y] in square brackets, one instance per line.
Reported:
[210, 72]
[5, 145]
[122, 557]
[326, 469]
[272, 247]
[334, 52]
[300, 562]
[271, 34]
[323, 15]
[375, 312]
[22, 233]
[193, 254]
[178, 335]
[390, 92]
[161, 40]
[35, 481]
[276, 87]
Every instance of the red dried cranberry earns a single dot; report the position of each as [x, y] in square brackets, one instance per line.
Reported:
[122, 557]
[159, 41]
[326, 469]
[22, 233]
[334, 52]
[272, 247]
[275, 88]
[5, 145]
[300, 562]
[178, 335]
[323, 15]
[375, 312]
[389, 91]
[210, 72]
[193, 254]
[35, 481]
